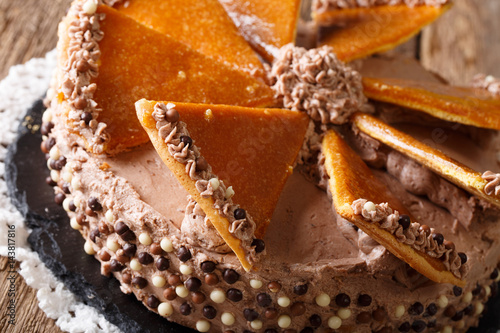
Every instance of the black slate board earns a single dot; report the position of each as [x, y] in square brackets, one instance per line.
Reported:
[61, 248]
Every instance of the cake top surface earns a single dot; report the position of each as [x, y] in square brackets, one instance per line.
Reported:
[338, 194]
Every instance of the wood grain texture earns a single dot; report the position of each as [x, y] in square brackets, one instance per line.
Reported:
[29, 317]
[463, 42]
[28, 28]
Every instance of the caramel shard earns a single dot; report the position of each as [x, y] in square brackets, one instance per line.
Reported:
[397, 67]
[252, 150]
[466, 106]
[360, 32]
[445, 166]
[137, 62]
[351, 179]
[202, 25]
[266, 24]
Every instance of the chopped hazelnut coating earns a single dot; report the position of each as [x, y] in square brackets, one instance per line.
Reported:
[351, 179]
[202, 25]
[468, 106]
[266, 24]
[137, 62]
[357, 38]
[454, 171]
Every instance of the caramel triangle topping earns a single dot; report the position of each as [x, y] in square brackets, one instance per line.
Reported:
[137, 62]
[266, 24]
[362, 199]
[466, 106]
[230, 138]
[455, 172]
[360, 32]
[202, 25]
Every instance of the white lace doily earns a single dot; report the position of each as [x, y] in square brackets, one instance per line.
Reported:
[18, 91]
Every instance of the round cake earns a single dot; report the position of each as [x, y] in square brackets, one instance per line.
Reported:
[252, 168]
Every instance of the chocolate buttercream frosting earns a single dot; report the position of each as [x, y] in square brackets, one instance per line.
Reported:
[207, 183]
[420, 238]
[316, 82]
[493, 186]
[321, 272]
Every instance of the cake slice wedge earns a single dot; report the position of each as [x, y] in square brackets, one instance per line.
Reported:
[363, 200]
[454, 171]
[202, 25]
[468, 106]
[360, 32]
[246, 154]
[266, 24]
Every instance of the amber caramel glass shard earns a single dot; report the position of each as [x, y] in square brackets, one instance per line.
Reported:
[266, 24]
[429, 157]
[467, 106]
[253, 150]
[351, 179]
[202, 25]
[137, 62]
[360, 32]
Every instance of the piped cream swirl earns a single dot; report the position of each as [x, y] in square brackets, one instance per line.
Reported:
[415, 236]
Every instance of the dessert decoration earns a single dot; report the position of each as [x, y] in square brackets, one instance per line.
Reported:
[457, 173]
[202, 25]
[354, 190]
[493, 185]
[360, 32]
[102, 103]
[488, 83]
[256, 182]
[316, 82]
[266, 24]
[467, 106]
[180, 224]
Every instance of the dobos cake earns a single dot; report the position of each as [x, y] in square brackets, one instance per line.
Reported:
[235, 181]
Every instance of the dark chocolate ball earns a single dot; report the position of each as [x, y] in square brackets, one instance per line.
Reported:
[162, 263]
[315, 320]
[139, 282]
[234, 295]
[94, 204]
[145, 258]
[240, 214]
[129, 249]
[250, 314]
[416, 309]
[188, 142]
[230, 276]
[184, 254]
[264, 300]
[343, 300]
[209, 312]
[300, 289]
[185, 309]
[404, 221]
[259, 245]
[364, 300]
[152, 302]
[193, 284]
[439, 238]
[207, 266]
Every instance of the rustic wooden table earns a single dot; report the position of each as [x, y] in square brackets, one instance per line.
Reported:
[463, 42]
